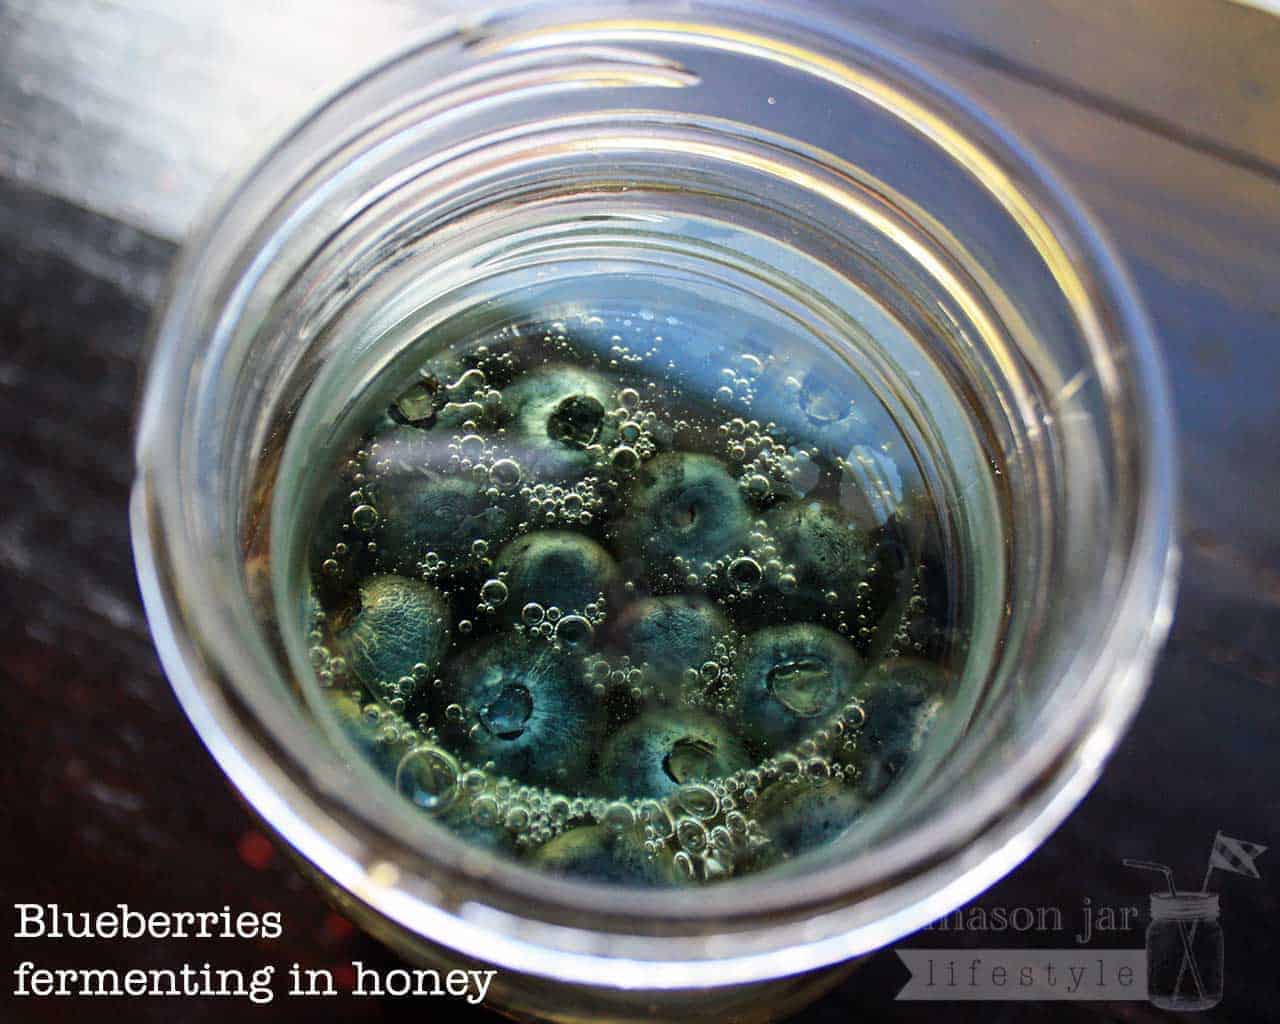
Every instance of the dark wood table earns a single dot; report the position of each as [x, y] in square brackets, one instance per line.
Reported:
[115, 122]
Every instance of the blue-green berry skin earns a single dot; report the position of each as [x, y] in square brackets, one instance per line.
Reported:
[686, 506]
[528, 712]
[812, 397]
[826, 551]
[803, 815]
[664, 749]
[436, 513]
[494, 838]
[363, 732]
[400, 623]
[667, 636]
[366, 735]
[558, 422]
[555, 568]
[591, 853]
[424, 505]
[902, 701]
[790, 680]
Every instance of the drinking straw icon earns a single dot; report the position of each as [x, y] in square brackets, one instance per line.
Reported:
[1188, 957]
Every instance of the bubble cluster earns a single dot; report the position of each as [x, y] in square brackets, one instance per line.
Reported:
[638, 616]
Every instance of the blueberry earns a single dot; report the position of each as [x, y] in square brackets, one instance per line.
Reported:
[525, 709]
[801, 815]
[596, 854]
[423, 773]
[555, 568]
[901, 702]
[400, 449]
[662, 750]
[422, 509]
[559, 421]
[824, 550]
[790, 679]
[815, 398]
[400, 623]
[667, 636]
[492, 836]
[384, 740]
[685, 506]
[364, 728]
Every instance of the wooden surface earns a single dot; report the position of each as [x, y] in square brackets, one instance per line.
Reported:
[116, 120]
[139, 109]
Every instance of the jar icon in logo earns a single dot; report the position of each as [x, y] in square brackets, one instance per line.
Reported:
[1184, 951]
[1184, 939]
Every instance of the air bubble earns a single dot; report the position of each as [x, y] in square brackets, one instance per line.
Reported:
[429, 777]
[505, 474]
[485, 811]
[558, 810]
[745, 573]
[493, 592]
[574, 630]
[698, 800]
[364, 518]
[532, 613]
[625, 460]
[691, 834]
[618, 817]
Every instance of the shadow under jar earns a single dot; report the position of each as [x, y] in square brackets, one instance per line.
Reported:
[659, 503]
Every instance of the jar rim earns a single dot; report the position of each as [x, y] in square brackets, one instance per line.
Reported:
[1182, 905]
[1021, 809]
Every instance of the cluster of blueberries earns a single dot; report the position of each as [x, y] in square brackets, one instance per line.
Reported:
[559, 581]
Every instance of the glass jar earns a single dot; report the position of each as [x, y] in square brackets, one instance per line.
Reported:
[1184, 951]
[510, 149]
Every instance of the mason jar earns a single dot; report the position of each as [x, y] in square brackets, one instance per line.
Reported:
[1184, 951]
[794, 164]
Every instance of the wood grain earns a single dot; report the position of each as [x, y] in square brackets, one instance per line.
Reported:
[134, 110]
[140, 110]
[1202, 72]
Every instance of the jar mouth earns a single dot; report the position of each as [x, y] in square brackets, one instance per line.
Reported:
[219, 661]
[1183, 906]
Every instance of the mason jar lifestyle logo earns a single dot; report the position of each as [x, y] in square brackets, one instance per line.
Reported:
[1179, 965]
